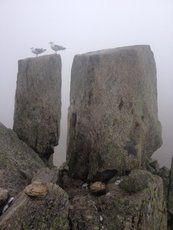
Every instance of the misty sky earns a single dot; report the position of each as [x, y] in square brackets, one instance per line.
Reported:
[84, 26]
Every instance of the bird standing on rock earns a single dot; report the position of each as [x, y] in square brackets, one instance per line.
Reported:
[37, 50]
[56, 47]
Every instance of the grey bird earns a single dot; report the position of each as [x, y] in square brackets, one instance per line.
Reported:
[56, 47]
[37, 51]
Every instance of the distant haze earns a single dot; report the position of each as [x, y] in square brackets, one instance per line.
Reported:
[84, 26]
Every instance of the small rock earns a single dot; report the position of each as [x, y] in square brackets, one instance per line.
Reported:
[154, 163]
[85, 186]
[164, 172]
[5, 208]
[108, 194]
[117, 182]
[98, 188]
[6, 205]
[153, 166]
[36, 189]
[101, 218]
[10, 201]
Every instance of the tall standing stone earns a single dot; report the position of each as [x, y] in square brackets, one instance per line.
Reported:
[113, 120]
[38, 103]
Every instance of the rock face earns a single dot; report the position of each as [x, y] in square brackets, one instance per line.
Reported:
[119, 209]
[39, 213]
[18, 162]
[38, 103]
[113, 121]
[170, 198]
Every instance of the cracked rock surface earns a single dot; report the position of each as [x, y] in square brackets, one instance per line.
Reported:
[113, 120]
[38, 103]
[18, 162]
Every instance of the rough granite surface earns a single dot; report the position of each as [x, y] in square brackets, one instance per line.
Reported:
[38, 103]
[170, 192]
[39, 213]
[113, 114]
[18, 162]
[122, 210]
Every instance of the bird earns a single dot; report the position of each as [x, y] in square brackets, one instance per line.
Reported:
[37, 50]
[56, 47]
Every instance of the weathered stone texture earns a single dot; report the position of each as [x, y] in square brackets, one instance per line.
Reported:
[38, 103]
[113, 121]
[142, 210]
[3, 198]
[136, 181]
[39, 213]
[170, 195]
[18, 162]
[122, 210]
[36, 189]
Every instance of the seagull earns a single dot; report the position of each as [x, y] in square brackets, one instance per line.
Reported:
[56, 47]
[37, 50]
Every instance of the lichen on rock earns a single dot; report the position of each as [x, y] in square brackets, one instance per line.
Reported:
[113, 120]
[18, 162]
[38, 213]
[38, 103]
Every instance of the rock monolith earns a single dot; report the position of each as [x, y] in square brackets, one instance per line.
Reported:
[38, 103]
[113, 113]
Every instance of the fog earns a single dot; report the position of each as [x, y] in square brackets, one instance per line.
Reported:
[84, 26]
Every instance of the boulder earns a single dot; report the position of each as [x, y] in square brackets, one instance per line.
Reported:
[39, 212]
[36, 189]
[98, 188]
[38, 103]
[142, 210]
[113, 113]
[136, 181]
[119, 210]
[18, 162]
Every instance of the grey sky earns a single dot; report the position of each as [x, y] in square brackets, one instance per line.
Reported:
[84, 26]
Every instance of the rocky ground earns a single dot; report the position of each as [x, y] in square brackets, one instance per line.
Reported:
[109, 180]
[51, 199]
